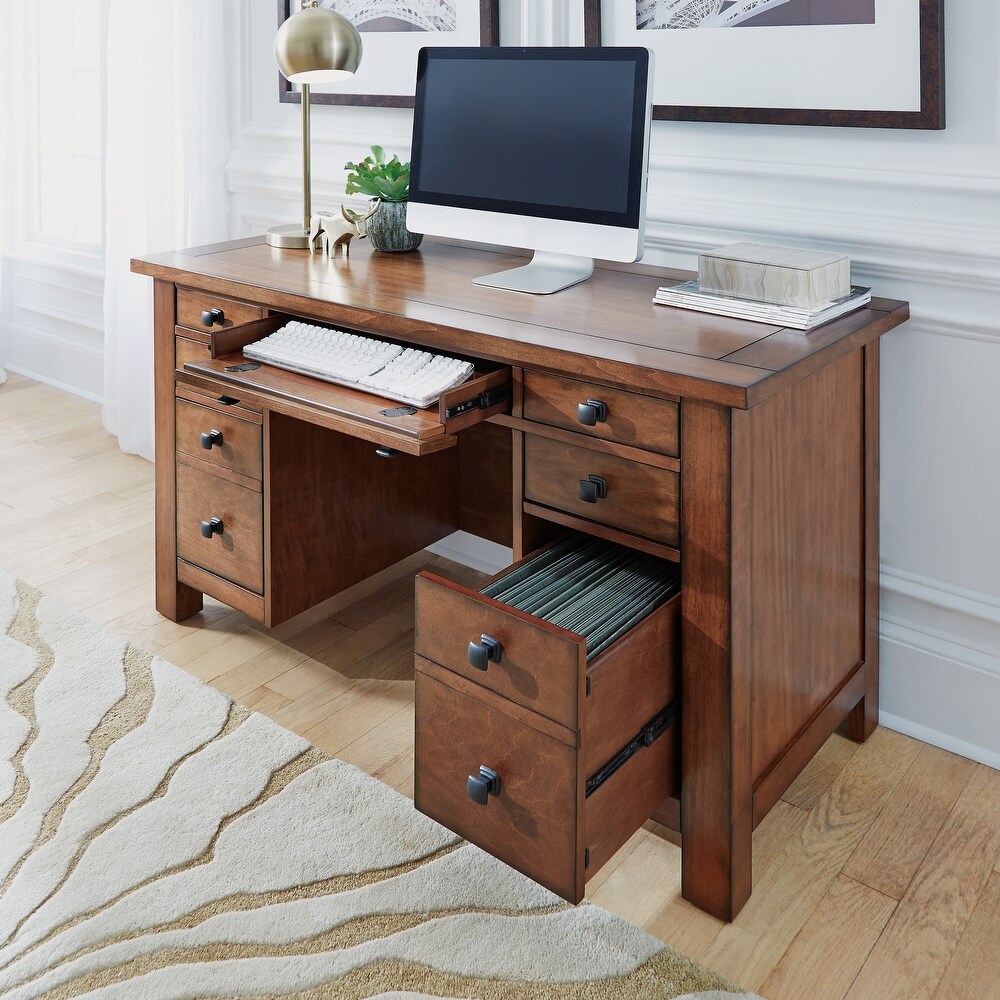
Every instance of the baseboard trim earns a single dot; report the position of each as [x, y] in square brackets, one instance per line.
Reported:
[55, 383]
[938, 739]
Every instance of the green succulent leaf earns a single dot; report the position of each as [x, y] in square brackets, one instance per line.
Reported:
[379, 178]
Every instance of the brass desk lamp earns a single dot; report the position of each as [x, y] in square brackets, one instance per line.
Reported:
[314, 45]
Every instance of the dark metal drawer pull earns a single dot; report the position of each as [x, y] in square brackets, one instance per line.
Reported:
[487, 650]
[592, 412]
[213, 527]
[209, 317]
[385, 452]
[593, 488]
[481, 787]
[209, 439]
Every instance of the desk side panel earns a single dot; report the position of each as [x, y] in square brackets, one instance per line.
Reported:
[807, 557]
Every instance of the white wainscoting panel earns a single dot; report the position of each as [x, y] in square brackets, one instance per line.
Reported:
[56, 323]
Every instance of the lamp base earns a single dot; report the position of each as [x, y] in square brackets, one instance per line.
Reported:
[288, 237]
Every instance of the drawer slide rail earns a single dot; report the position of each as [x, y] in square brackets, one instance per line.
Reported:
[483, 401]
[648, 735]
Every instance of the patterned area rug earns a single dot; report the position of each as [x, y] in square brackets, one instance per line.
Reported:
[160, 841]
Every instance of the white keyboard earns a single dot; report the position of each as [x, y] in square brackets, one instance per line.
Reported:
[407, 375]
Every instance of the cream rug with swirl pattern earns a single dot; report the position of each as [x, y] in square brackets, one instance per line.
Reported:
[159, 841]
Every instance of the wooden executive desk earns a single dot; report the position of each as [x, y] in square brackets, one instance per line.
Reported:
[747, 452]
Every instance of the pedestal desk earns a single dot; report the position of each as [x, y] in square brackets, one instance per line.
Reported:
[746, 452]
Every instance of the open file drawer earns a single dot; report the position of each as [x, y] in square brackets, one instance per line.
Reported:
[584, 752]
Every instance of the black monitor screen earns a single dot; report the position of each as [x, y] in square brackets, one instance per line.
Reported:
[552, 133]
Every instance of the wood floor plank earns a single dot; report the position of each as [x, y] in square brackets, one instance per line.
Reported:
[366, 705]
[784, 824]
[913, 953]
[623, 853]
[974, 970]
[257, 671]
[790, 890]
[891, 852]
[824, 958]
[203, 654]
[821, 772]
[263, 700]
[305, 676]
[376, 749]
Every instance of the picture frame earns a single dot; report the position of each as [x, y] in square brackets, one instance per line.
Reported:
[389, 60]
[888, 74]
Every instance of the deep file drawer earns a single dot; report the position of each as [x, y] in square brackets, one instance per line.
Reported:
[547, 722]
[541, 821]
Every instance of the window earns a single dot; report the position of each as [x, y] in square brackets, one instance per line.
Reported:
[64, 166]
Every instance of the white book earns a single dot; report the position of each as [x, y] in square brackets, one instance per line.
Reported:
[688, 295]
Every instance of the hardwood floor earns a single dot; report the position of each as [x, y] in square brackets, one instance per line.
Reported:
[877, 875]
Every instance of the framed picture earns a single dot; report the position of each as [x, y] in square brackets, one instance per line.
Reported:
[862, 63]
[392, 33]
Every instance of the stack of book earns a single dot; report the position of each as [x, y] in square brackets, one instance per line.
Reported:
[780, 286]
[688, 295]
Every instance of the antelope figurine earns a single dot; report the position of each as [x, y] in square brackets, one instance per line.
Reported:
[335, 231]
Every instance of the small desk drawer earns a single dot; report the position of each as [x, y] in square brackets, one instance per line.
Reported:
[186, 350]
[191, 304]
[213, 435]
[235, 551]
[641, 499]
[628, 417]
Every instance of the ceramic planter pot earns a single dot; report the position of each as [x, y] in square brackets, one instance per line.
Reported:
[387, 229]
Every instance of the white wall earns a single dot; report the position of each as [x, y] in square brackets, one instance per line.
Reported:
[919, 214]
[51, 294]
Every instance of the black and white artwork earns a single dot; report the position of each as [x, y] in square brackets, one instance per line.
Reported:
[656, 14]
[393, 15]
[856, 63]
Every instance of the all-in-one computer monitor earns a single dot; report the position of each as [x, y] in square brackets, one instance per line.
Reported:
[541, 148]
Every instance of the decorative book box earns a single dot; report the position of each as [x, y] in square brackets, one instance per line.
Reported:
[782, 275]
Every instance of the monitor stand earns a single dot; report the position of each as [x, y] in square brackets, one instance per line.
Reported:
[543, 274]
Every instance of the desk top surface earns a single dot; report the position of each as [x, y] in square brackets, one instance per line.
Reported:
[607, 328]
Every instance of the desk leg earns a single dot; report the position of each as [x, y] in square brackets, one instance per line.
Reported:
[716, 794]
[174, 600]
[863, 719]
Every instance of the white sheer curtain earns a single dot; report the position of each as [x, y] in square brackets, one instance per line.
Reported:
[166, 147]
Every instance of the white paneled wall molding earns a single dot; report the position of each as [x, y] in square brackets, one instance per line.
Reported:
[56, 323]
[940, 669]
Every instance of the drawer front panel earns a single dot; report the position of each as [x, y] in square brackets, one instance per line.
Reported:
[641, 499]
[191, 304]
[186, 350]
[237, 552]
[532, 824]
[541, 666]
[236, 446]
[631, 418]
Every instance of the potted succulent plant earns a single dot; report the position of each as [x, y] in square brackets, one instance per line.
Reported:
[388, 181]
